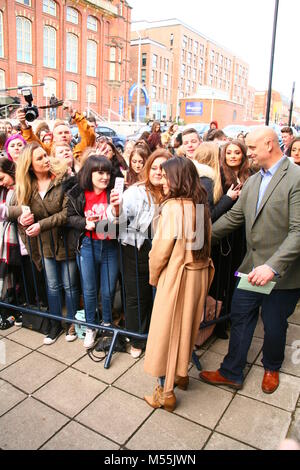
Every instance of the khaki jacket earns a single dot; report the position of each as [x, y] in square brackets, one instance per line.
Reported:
[272, 233]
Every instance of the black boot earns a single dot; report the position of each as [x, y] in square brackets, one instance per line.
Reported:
[220, 330]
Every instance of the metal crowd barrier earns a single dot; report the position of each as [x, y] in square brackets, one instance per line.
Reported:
[27, 308]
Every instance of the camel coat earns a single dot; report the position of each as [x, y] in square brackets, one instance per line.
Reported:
[182, 287]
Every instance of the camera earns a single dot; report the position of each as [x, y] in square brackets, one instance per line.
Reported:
[31, 111]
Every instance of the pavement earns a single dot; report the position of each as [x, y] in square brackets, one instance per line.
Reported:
[55, 397]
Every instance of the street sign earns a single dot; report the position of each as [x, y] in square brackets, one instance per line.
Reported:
[194, 108]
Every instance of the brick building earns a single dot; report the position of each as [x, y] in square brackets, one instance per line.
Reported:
[79, 49]
[197, 61]
[280, 105]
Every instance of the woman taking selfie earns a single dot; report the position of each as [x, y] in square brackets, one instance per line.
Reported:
[135, 213]
[181, 269]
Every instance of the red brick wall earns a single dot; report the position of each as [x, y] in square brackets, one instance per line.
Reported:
[223, 112]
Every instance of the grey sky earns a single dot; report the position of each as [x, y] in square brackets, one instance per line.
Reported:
[243, 26]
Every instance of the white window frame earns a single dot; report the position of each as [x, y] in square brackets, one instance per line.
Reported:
[24, 79]
[72, 15]
[49, 7]
[154, 61]
[91, 63]
[2, 78]
[91, 93]
[25, 2]
[50, 87]
[71, 90]
[22, 40]
[72, 53]
[92, 23]
[1, 35]
[112, 65]
[50, 59]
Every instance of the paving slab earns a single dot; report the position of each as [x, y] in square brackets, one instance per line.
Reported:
[202, 403]
[13, 352]
[26, 337]
[291, 364]
[220, 346]
[165, 430]
[9, 331]
[65, 352]
[74, 436]
[9, 397]
[136, 381]
[295, 318]
[70, 392]
[220, 442]
[285, 397]
[293, 334]
[119, 365]
[29, 425]
[257, 424]
[32, 372]
[115, 414]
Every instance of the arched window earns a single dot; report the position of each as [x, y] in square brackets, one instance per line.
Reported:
[24, 40]
[91, 63]
[49, 6]
[49, 47]
[91, 94]
[92, 23]
[72, 53]
[71, 90]
[1, 35]
[50, 86]
[24, 79]
[72, 15]
[2, 79]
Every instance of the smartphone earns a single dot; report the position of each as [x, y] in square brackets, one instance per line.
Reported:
[26, 210]
[119, 185]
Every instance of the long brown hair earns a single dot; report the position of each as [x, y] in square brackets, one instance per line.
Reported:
[133, 177]
[244, 171]
[208, 154]
[156, 192]
[184, 183]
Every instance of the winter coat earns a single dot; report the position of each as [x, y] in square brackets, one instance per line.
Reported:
[182, 287]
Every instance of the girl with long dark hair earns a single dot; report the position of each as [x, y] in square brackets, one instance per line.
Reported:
[181, 269]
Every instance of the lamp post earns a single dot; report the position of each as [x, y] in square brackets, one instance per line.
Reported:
[292, 105]
[139, 81]
[272, 63]
[212, 105]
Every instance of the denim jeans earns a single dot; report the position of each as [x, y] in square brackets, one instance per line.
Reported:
[98, 257]
[62, 274]
[276, 309]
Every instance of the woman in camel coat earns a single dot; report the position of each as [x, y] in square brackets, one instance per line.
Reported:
[182, 271]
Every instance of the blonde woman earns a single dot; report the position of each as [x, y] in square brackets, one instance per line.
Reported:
[41, 190]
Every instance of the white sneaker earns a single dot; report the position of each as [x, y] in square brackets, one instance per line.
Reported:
[135, 353]
[89, 340]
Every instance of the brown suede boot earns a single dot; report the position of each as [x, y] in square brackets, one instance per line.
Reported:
[182, 382]
[159, 400]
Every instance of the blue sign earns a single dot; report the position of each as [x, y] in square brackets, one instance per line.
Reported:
[194, 108]
[121, 105]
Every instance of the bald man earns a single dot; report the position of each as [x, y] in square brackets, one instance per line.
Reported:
[269, 206]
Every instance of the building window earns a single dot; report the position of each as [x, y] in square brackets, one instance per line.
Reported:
[144, 60]
[184, 42]
[165, 80]
[91, 63]
[49, 6]
[91, 94]
[71, 90]
[25, 2]
[183, 70]
[189, 58]
[49, 47]
[154, 61]
[24, 41]
[50, 86]
[1, 35]
[144, 75]
[72, 15]
[112, 65]
[2, 78]
[172, 40]
[72, 53]
[24, 79]
[152, 76]
[121, 9]
[92, 23]
[212, 56]
[153, 94]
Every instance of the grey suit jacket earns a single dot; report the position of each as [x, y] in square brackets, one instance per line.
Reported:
[273, 233]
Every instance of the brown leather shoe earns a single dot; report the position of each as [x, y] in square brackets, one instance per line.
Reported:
[160, 400]
[270, 381]
[215, 378]
[182, 382]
